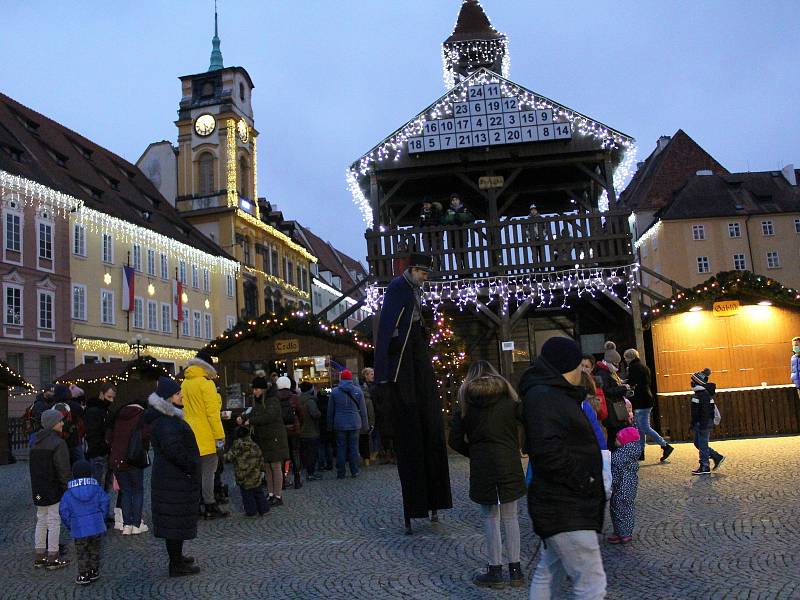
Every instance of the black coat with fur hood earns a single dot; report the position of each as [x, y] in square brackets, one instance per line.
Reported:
[175, 483]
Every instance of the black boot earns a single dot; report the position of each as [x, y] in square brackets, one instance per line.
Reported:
[493, 578]
[214, 512]
[665, 452]
[182, 569]
[515, 576]
[409, 531]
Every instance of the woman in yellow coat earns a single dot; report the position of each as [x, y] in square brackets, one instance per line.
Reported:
[201, 408]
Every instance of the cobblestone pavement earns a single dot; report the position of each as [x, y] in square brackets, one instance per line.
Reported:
[730, 535]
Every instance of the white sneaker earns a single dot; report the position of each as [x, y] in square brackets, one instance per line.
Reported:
[118, 523]
[127, 530]
[142, 528]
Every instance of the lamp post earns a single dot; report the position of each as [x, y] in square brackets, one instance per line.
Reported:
[138, 344]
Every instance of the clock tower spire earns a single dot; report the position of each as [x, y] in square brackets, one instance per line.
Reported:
[216, 53]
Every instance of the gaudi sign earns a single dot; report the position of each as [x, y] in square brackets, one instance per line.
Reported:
[287, 346]
[727, 308]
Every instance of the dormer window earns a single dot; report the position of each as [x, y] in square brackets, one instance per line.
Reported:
[31, 125]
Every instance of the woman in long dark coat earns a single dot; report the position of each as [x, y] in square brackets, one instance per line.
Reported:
[175, 484]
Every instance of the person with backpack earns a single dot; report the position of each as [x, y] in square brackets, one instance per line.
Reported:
[347, 416]
[128, 439]
[97, 418]
[71, 409]
[293, 420]
[485, 428]
[639, 378]
[703, 421]
[247, 460]
[606, 373]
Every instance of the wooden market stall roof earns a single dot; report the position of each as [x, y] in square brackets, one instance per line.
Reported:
[112, 371]
[10, 378]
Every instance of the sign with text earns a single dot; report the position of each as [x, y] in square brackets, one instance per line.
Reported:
[726, 308]
[491, 182]
[489, 117]
[287, 346]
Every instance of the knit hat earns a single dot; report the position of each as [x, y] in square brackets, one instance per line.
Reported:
[167, 387]
[562, 353]
[242, 432]
[81, 468]
[346, 375]
[284, 383]
[260, 383]
[50, 417]
[61, 393]
[421, 261]
[627, 435]
[75, 391]
[699, 378]
[205, 357]
[611, 355]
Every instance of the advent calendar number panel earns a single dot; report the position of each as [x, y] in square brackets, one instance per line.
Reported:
[487, 118]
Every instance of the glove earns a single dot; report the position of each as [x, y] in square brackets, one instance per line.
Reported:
[220, 444]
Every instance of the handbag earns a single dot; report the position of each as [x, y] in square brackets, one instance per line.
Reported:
[618, 413]
[136, 454]
[717, 415]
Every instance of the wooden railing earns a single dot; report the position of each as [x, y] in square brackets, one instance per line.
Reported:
[510, 247]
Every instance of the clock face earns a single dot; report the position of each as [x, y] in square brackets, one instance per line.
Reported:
[243, 130]
[204, 125]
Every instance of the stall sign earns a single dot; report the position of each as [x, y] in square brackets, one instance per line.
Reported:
[287, 346]
[727, 308]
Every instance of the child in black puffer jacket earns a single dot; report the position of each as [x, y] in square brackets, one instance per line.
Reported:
[703, 406]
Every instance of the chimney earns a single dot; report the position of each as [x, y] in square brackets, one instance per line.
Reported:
[704, 173]
[662, 142]
[789, 174]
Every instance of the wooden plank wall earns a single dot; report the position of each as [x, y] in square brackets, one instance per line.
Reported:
[743, 350]
[745, 413]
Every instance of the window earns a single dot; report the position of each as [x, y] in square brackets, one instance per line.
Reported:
[246, 252]
[151, 262]
[79, 240]
[734, 230]
[107, 307]
[767, 228]
[137, 257]
[13, 308]
[46, 241]
[138, 313]
[47, 369]
[108, 248]
[274, 263]
[78, 302]
[185, 322]
[773, 261]
[231, 322]
[206, 173]
[152, 315]
[13, 232]
[206, 281]
[90, 359]
[182, 271]
[166, 318]
[299, 277]
[702, 264]
[244, 177]
[46, 310]
[207, 325]
[164, 267]
[739, 263]
[195, 279]
[16, 360]
[196, 324]
[229, 285]
[698, 232]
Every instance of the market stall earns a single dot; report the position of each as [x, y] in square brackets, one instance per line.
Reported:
[9, 379]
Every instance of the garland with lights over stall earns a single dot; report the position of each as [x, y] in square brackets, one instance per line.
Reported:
[10, 379]
[740, 325]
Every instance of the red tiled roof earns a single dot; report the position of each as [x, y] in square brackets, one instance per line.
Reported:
[473, 24]
[665, 171]
[38, 148]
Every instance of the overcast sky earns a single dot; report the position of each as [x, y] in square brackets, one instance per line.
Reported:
[334, 77]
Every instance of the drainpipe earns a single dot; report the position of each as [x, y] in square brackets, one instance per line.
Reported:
[749, 247]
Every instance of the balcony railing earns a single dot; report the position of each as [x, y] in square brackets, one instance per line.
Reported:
[511, 247]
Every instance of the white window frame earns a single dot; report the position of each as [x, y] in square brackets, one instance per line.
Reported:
[164, 266]
[734, 230]
[739, 258]
[79, 240]
[195, 277]
[107, 248]
[48, 226]
[20, 237]
[182, 271]
[767, 228]
[42, 323]
[703, 264]
[197, 325]
[208, 326]
[107, 295]
[136, 255]
[698, 232]
[21, 290]
[152, 315]
[229, 287]
[773, 259]
[166, 318]
[206, 281]
[138, 313]
[80, 315]
[185, 323]
[231, 320]
[151, 262]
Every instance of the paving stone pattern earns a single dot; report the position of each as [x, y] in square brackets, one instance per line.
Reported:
[732, 535]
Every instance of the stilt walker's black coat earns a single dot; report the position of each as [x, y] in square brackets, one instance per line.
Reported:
[404, 371]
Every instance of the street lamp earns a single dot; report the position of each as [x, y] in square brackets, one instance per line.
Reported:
[138, 344]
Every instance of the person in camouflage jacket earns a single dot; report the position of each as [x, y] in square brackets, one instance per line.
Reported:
[248, 463]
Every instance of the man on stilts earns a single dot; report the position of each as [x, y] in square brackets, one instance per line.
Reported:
[404, 370]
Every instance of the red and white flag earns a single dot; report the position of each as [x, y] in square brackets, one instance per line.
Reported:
[128, 288]
[177, 300]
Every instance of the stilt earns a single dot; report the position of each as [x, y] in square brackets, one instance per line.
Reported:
[434, 516]
[408, 527]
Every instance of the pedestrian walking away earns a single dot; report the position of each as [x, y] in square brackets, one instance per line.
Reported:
[347, 417]
[639, 378]
[129, 430]
[703, 411]
[97, 418]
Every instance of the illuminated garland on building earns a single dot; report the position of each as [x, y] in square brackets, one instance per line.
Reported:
[88, 345]
[392, 147]
[541, 289]
[279, 235]
[727, 285]
[145, 363]
[233, 195]
[477, 53]
[255, 174]
[651, 232]
[298, 322]
[11, 378]
[277, 281]
[30, 193]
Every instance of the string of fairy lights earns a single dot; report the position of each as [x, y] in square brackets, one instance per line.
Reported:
[472, 54]
[393, 147]
[546, 289]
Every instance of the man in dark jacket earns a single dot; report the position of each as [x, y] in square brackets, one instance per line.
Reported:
[404, 372]
[639, 379]
[97, 420]
[566, 499]
[703, 421]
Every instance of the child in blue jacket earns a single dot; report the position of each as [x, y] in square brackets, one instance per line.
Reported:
[83, 509]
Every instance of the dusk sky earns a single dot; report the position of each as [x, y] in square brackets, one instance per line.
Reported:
[333, 78]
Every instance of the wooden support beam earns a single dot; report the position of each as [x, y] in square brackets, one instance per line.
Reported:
[521, 311]
[488, 312]
[559, 326]
[617, 301]
[471, 184]
[511, 199]
[601, 309]
[638, 330]
[593, 174]
[393, 190]
[609, 172]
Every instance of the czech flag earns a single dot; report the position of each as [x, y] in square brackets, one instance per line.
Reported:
[128, 288]
[177, 300]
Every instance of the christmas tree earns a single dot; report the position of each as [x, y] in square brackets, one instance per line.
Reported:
[449, 360]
